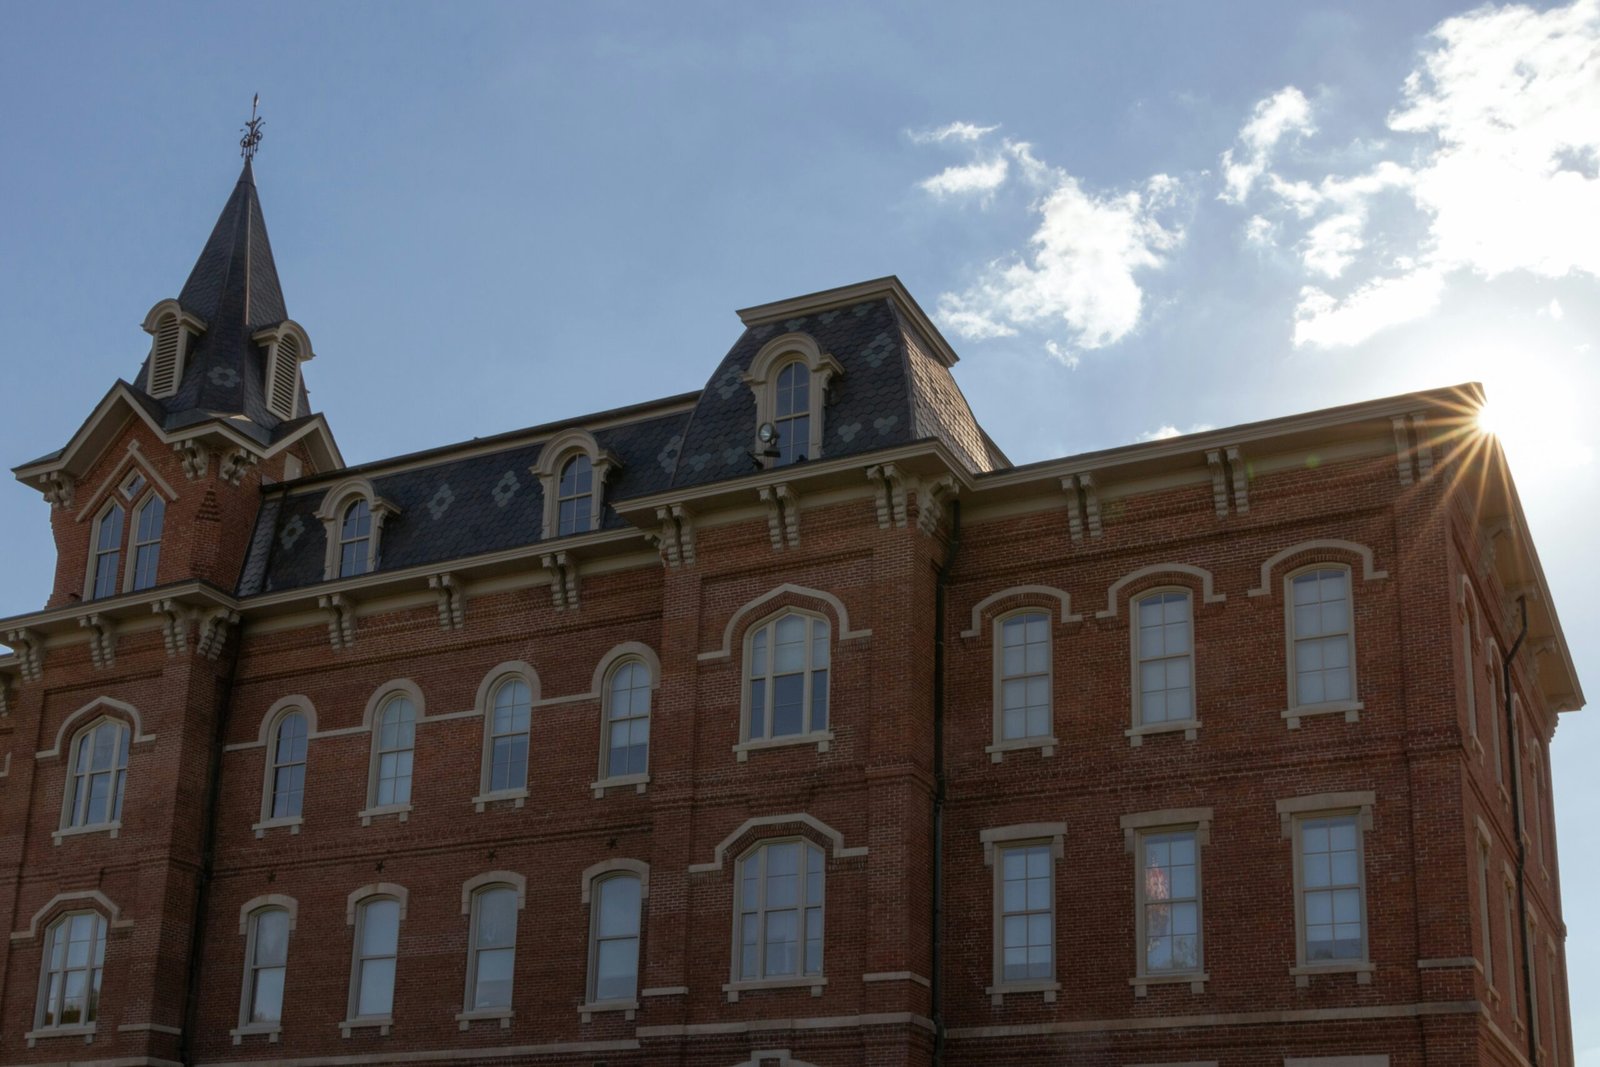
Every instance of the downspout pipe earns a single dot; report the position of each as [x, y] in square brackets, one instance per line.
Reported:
[1515, 756]
[941, 586]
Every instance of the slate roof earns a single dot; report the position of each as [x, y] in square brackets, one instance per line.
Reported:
[234, 289]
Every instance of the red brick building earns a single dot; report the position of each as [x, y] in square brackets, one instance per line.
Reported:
[782, 722]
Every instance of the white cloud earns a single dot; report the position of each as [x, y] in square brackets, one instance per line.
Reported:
[1331, 245]
[1169, 430]
[1327, 322]
[1285, 112]
[982, 178]
[955, 131]
[1063, 356]
[1553, 310]
[1079, 268]
[1260, 231]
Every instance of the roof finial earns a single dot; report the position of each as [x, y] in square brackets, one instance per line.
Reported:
[252, 132]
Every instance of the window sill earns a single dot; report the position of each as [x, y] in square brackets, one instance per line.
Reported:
[465, 1019]
[519, 797]
[587, 1012]
[1360, 968]
[1137, 734]
[380, 1023]
[271, 1033]
[1350, 709]
[821, 738]
[86, 1032]
[111, 829]
[264, 825]
[1196, 981]
[813, 982]
[638, 781]
[997, 993]
[1045, 745]
[401, 810]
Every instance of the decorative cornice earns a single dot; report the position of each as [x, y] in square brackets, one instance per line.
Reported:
[58, 488]
[783, 515]
[30, 653]
[102, 639]
[891, 487]
[563, 571]
[196, 458]
[931, 499]
[452, 600]
[175, 622]
[341, 620]
[676, 539]
[213, 631]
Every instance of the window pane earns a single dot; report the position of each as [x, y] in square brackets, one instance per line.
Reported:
[619, 907]
[617, 969]
[377, 987]
[497, 918]
[491, 987]
[272, 938]
[380, 928]
[266, 1001]
[788, 711]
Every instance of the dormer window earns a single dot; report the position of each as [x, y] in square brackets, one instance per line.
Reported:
[575, 496]
[173, 331]
[106, 565]
[287, 347]
[352, 515]
[789, 378]
[148, 522]
[572, 471]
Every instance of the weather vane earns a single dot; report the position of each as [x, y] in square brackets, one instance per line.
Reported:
[252, 132]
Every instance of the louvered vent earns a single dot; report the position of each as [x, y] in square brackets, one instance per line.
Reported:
[285, 365]
[164, 369]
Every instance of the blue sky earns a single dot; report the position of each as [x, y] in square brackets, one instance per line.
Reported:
[1129, 219]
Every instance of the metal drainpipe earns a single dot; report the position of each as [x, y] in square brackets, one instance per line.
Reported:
[1514, 754]
[936, 980]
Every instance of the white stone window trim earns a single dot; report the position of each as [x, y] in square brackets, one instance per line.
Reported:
[1491, 668]
[119, 549]
[995, 840]
[762, 378]
[1134, 828]
[1351, 709]
[592, 877]
[1467, 616]
[130, 562]
[1484, 855]
[280, 710]
[331, 514]
[1292, 811]
[406, 689]
[247, 930]
[483, 705]
[188, 326]
[1038, 592]
[285, 341]
[735, 986]
[553, 457]
[828, 833]
[609, 664]
[352, 911]
[841, 617]
[1190, 727]
[112, 827]
[469, 898]
[999, 745]
[823, 738]
[103, 934]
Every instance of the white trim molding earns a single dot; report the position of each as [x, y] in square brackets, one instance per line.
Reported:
[1207, 594]
[1368, 572]
[98, 900]
[269, 900]
[553, 457]
[841, 615]
[376, 889]
[720, 852]
[331, 513]
[1041, 591]
[137, 736]
[637, 868]
[769, 362]
[488, 878]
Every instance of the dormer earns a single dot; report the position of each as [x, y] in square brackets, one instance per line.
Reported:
[572, 469]
[287, 347]
[789, 378]
[173, 332]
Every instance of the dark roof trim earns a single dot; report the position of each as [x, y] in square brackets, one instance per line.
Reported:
[845, 295]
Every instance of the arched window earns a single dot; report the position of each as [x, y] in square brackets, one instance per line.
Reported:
[506, 760]
[1163, 658]
[614, 939]
[575, 496]
[1322, 637]
[792, 414]
[106, 569]
[286, 768]
[376, 953]
[266, 966]
[786, 671]
[779, 929]
[355, 539]
[627, 727]
[1022, 677]
[148, 521]
[99, 770]
[492, 948]
[393, 743]
[74, 956]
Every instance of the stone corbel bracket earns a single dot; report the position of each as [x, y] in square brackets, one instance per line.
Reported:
[174, 625]
[891, 488]
[102, 639]
[1083, 505]
[235, 462]
[5, 696]
[452, 600]
[58, 488]
[677, 535]
[563, 580]
[1413, 452]
[30, 653]
[1229, 473]
[931, 499]
[341, 619]
[196, 458]
[783, 515]
[213, 632]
